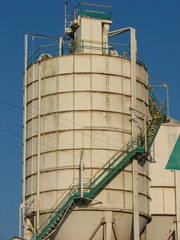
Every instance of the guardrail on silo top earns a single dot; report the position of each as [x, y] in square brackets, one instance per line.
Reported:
[84, 47]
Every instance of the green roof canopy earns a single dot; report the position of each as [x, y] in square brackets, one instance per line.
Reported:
[174, 160]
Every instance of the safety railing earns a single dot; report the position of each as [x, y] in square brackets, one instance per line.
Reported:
[140, 59]
[74, 187]
[153, 97]
[89, 10]
[157, 118]
[45, 51]
[114, 161]
[95, 10]
[58, 204]
[83, 47]
[157, 114]
[97, 47]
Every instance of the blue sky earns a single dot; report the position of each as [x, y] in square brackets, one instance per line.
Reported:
[158, 33]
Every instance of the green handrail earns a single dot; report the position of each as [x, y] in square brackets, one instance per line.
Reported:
[95, 10]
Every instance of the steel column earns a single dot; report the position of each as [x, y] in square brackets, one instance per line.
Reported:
[24, 124]
[134, 127]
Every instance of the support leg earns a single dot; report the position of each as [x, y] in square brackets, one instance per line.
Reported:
[109, 222]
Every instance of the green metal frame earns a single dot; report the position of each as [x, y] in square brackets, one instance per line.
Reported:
[95, 11]
[107, 172]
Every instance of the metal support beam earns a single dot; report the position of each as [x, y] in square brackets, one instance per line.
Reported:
[105, 30]
[137, 111]
[109, 221]
[145, 132]
[23, 206]
[24, 124]
[42, 36]
[94, 200]
[135, 201]
[119, 31]
[172, 230]
[81, 173]
[115, 231]
[96, 229]
[20, 208]
[39, 142]
[60, 46]
[134, 127]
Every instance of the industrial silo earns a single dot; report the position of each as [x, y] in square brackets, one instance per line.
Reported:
[165, 182]
[81, 107]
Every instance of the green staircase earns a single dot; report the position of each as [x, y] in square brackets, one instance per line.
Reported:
[63, 207]
[157, 117]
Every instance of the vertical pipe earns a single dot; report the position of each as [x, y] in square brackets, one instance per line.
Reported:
[82, 190]
[82, 164]
[145, 132]
[133, 106]
[24, 123]
[167, 101]
[20, 220]
[32, 49]
[33, 128]
[82, 45]
[39, 142]
[146, 101]
[105, 31]
[65, 21]
[60, 46]
[154, 155]
[133, 70]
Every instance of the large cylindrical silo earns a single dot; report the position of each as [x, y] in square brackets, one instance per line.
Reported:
[80, 106]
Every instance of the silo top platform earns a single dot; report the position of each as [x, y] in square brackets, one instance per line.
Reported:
[93, 11]
[86, 32]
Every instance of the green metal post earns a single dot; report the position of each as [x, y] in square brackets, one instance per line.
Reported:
[82, 45]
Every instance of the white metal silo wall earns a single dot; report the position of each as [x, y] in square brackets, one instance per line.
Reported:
[165, 185]
[85, 103]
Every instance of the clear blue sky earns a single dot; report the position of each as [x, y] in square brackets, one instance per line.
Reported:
[158, 33]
